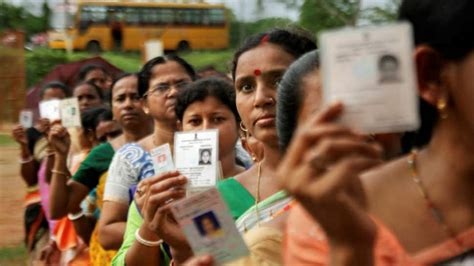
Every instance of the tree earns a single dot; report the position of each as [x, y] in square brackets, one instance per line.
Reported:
[317, 15]
[18, 18]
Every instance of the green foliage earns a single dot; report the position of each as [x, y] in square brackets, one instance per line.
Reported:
[19, 18]
[389, 12]
[40, 62]
[317, 15]
[218, 59]
[5, 140]
[241, 30]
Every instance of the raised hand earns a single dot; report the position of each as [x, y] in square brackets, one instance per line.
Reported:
[321, 170]
[19, 135]
[160, 191]
[43, 125]
[59, 139]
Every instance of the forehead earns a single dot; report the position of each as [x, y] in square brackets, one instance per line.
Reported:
[264, 57]
[126, 85]
[83, 88]
[53, 92]
[209, 105]
[96, 73]
[167, 72]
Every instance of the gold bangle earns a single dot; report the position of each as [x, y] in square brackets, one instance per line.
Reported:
[60, 173]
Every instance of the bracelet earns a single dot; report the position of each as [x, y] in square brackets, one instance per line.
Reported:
[27, 160]
[147, 242]
[75, 216]
[60, 173]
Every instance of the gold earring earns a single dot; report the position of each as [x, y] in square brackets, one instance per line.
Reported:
[242, 127]
[442, 105]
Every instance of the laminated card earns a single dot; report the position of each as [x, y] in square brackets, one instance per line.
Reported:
[196, 154]
[371, 70]
[209, 227]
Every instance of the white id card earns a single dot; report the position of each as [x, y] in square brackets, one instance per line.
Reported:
[196, 155]
[50, 109]
[70, 115]
[26, 118]
[209, 227]
[371, 71]
[162, 159]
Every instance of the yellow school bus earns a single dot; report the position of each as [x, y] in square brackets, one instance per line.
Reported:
[100, 26]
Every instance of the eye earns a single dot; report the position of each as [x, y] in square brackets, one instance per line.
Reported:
[246, 87]
[218, 119]
[194, 121]
[135, 97]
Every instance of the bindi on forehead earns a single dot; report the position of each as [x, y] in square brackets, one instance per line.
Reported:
[257, 72]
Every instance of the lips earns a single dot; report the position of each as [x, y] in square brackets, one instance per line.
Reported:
[129, 116]
[266, 120]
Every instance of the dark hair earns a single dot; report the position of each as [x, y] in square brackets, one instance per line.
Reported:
[290, 95]
[92, 84]
[54, 85]
[199, 90]
[447, 27]
[105, 116]
[88, 68]
[91, 117]
[294, 42]
[387, 58]
[145, 73]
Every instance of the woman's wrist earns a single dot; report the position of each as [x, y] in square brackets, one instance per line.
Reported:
[148, 234]
[181, 255]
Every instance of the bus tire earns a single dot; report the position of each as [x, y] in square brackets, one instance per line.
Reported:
[93, 47]
[183, 46]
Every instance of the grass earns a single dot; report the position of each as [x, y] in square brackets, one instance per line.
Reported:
[13, 256]
[6, 140]
[132, 61]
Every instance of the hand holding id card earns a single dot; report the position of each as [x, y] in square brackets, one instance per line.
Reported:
[196, 154]
[209, 227]
[371, 70]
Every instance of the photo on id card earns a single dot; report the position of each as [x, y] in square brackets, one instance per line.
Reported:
[209, 227]
[371, 71]
[196, 154]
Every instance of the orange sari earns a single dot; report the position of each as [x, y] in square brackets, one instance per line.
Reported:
[305, 244]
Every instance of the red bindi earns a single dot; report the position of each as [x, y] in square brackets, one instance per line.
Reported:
[257, 72]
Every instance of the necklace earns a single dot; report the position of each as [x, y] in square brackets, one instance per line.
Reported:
[257, 195]
[435, 211]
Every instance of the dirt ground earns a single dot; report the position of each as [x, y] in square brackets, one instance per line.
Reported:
[12, 191]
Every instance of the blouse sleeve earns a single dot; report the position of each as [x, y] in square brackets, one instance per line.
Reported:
[122, 176]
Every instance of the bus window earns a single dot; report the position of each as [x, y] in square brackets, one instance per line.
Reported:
[217, 16]
[166, 16]
[132, 16]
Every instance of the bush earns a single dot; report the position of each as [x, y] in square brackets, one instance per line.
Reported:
[40, 62]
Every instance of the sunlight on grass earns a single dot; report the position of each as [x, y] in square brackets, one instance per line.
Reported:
[13, 256]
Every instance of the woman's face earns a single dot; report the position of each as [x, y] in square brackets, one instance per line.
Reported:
[213, 114]
[127, 106]
[53, 93]
[87, 96]
[257, 75]
[107, 130]
[206, 156]
[165, 82]
[99, 78]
